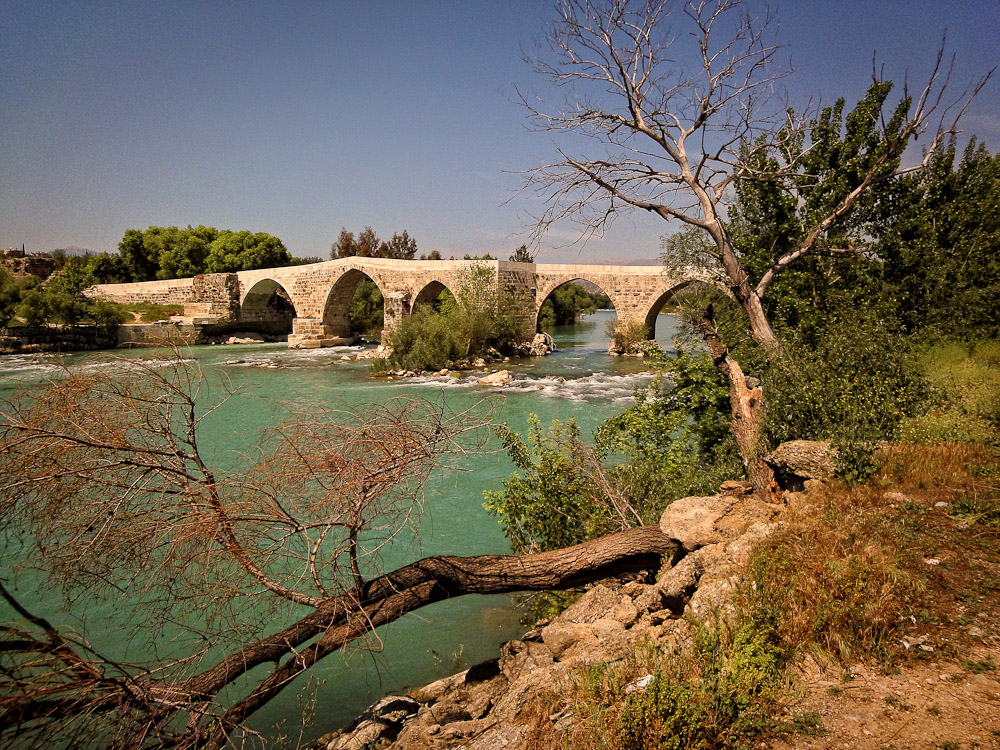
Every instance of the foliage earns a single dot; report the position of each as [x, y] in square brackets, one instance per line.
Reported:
[721, 694]
[852, 382]
[366, 310]
[245, 251]
[629, 335]
[522, 255]
[427, 340]
[674, 440]
[560, 497]
[61, 299]
[12, 290]
[482, 315]
[567, 304]
[174, 252]
[964, 394]
[368, 245]
[938, 235]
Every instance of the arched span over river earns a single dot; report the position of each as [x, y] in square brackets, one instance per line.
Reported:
[312, 301]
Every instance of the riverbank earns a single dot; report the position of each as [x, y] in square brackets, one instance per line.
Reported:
[896, 583]
[80, 338]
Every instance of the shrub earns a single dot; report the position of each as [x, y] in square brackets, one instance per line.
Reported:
[629, 335]
[852, 383]
[427, 340]
[964, 394]
[720, 694]
[558, 498]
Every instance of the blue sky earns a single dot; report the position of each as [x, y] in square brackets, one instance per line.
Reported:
[299, 118]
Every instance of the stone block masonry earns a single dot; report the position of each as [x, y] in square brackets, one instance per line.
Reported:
[316, 298]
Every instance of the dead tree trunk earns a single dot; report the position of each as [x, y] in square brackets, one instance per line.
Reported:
[748, 411]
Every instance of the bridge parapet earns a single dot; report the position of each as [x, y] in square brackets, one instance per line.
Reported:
[314, 299]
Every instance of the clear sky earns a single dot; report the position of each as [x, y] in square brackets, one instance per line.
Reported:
[299, 118]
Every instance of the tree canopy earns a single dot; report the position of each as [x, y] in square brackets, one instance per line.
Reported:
[368, 245]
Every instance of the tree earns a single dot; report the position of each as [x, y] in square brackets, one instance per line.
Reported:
[400, 247]
[368, 245]
[103, 487]
[939, 241]
[673, 139]
[432, 255]
[522, 255]
[567, 304]
[141, 263]
[11, 292]
[185, 251]
[245, 251]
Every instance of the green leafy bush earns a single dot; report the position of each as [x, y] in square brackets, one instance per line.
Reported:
[852, 382]
[721, 694]
[557, 499]
[427, 340]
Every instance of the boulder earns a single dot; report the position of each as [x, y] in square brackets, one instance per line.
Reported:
[797, 461]
[692, 520]
[560, 636]
[599, 602]
[499, 378]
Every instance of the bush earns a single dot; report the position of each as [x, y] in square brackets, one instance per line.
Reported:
[479, 317]
[721, 694]
[852, 383]
[557, 499]
[964, 394]
[427, 340]
[629, 336]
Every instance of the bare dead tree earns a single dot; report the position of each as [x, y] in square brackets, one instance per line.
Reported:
[675, 117]
[104, 488]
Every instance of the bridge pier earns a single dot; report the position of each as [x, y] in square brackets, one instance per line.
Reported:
[312, 333]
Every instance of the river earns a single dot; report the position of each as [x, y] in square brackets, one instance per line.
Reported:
[579, 381]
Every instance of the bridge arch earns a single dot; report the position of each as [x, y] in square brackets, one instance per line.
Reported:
[268, 307]
[336, 312]
[657, 305]
[552, 288]
[429, 294]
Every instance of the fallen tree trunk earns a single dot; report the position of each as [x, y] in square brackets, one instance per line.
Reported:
[432, 579]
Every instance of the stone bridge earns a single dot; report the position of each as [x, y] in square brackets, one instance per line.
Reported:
[311, 302]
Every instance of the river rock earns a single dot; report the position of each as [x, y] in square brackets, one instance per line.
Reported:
[500, 378]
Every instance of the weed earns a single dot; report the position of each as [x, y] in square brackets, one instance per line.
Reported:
[978, 667]
[893, 702]
[835, 690]
[934, 710]
[808, 723]
[950, 745]
[722, 691]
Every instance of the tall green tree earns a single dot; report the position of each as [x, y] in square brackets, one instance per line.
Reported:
[676, 119]
[939, 242]
[244, 251]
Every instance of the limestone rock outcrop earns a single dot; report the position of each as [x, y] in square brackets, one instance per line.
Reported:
[501, 703]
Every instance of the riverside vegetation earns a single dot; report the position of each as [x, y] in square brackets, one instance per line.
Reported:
[735, 621]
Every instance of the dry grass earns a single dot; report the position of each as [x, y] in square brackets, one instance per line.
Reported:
[856, 572]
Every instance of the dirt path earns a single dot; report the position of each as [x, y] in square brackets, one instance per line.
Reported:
[927, 705]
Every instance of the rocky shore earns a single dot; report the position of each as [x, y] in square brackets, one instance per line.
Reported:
[505, 702]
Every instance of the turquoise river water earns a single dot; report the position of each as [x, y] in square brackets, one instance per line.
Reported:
[579, 381]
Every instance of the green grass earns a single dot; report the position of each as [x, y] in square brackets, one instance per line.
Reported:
[150, 313]
[965, 394]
